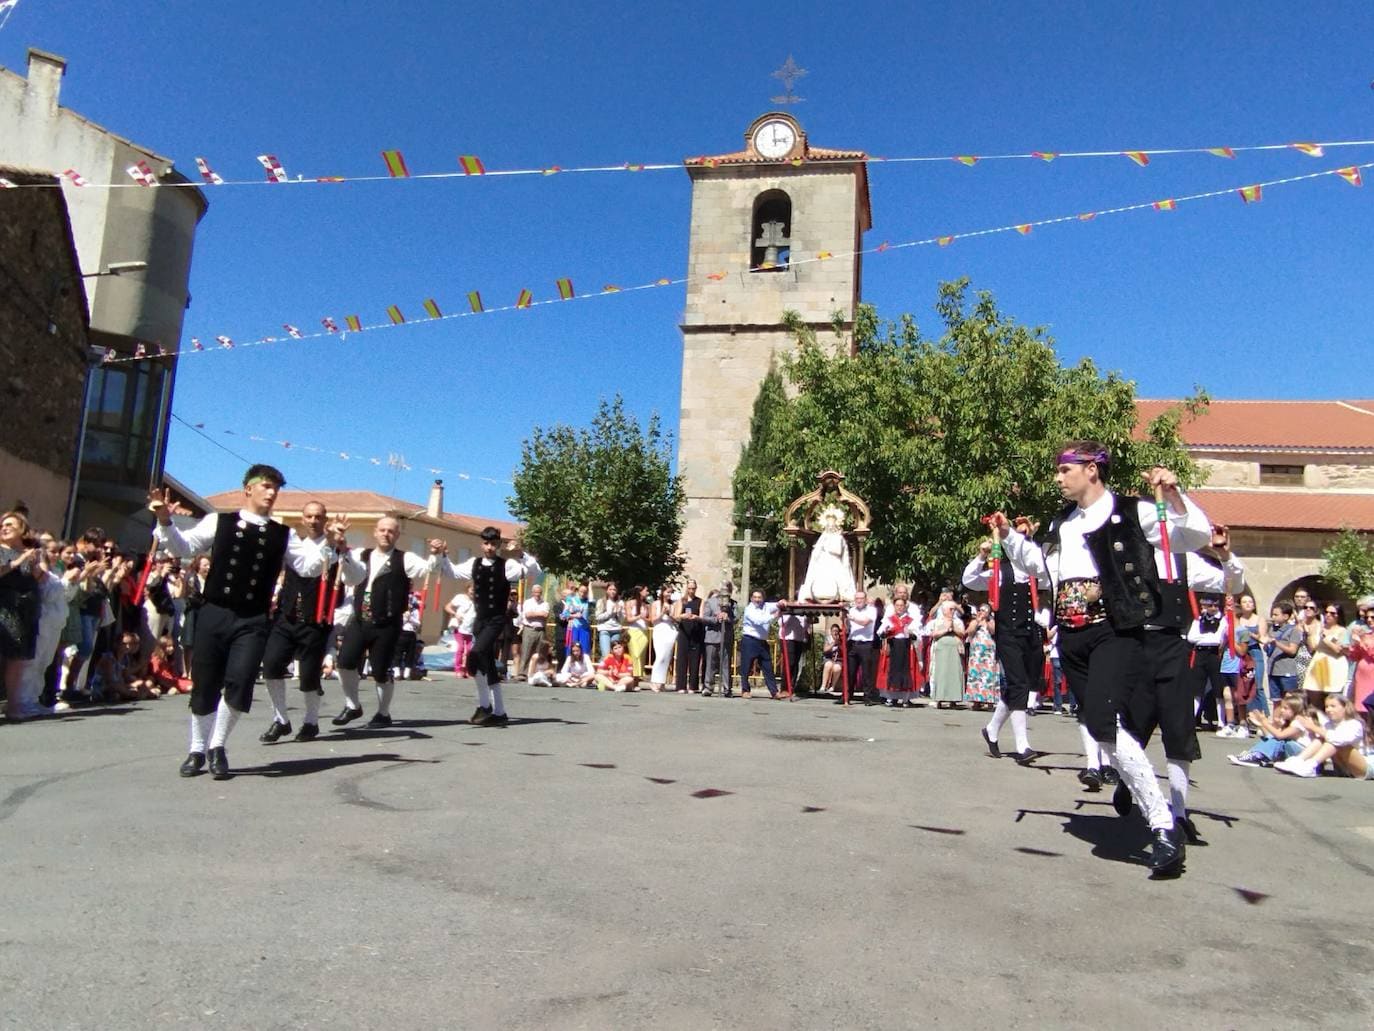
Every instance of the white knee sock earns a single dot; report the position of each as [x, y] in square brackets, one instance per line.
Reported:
[200, 730]
[1178, 786]
[312, 707]
[276, 691]
[1018, 728]
[1033, 702]
[348, 681]
[1091, 752]
[498, 705]
[225, 718]
[1139, 776]
[999, 716]
[483, 691]
[384, 695]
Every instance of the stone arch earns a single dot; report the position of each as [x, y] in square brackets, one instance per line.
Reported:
[770, 207]
[1319, 588]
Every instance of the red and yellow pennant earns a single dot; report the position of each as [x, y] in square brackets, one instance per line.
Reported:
[796, 162]
[945, 241]
[565, 288]
[1222, 152]
[967, 159]
[551, 170]
[1251, 194]
[1087, 216]
[1164, 205]
[1350, 175]
[353, 322]
[475, 301]
[716, 276]
[1138, 156]
[394, 314]
[395, 164]
[822, 255]
[662, 282]
[471, 165]
[610, 288]
[432, 308]
[1045, 155]
[633, 167]
[1024, 229]
[1312, 150]
[524, 300]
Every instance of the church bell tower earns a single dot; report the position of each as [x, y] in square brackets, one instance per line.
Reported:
[776, 226]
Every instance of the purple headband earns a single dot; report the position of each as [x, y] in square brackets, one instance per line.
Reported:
[1082, 458]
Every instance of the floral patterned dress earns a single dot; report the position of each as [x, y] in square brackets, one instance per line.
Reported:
[983, 685]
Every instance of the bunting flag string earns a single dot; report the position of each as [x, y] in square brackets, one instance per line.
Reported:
[394, 459]
[470, 165]
[1249, 194]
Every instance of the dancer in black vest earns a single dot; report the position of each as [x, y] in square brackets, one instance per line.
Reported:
[381, 579]
[247, 550]
[301, 626]
[1015, 632]
[1106, 591]
[1166, 699]
[492, 581]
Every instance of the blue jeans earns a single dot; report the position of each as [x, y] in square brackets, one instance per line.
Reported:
[90, 626]
[1279, 686]
[1273, 749]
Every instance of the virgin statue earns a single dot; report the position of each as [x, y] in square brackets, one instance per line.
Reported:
[829, 576]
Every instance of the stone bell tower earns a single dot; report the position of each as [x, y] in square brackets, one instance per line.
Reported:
[776, 226]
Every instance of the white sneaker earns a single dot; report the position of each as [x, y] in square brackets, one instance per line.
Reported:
[1225, 732]
[1240, 732]
[1301, 769]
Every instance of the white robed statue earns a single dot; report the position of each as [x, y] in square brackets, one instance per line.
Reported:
[829, 576]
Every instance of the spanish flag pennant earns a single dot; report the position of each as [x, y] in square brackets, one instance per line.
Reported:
[1024, 229]
[610, 288]
[475, 301]
[767, 264]
[1164, 205]
[710, 162]
[1087, 216]
[1222, 152]
[524, 300]
[967, 159]
[717, 276]
[1251, 194]
[1312, 150]
[882, 247]
[330, 179]
[797, 162]
[822, 255]
[291, 331]
[471, 165]
[945, 241]
[633, 168]
[353, 322]
[1350, 175]
[1045, 155]
[394, 314]
[662, 282]
[551, 170]
[329, 324]
[432, 308]
[395, 164]
[565, 289]
[1138, 156]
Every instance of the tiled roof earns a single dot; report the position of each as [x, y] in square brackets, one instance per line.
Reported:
[1341, 426]
[365, 502]
[1285, 510]
[749, 156]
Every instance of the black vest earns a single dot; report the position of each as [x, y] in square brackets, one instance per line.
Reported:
[299, 597]
[490, 588]
[244, 562]
[1125, 562]
[390, 593]
[1176, 601]
[1014, 611]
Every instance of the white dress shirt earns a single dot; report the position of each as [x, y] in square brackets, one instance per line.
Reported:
[515, 567]
[863, 621]
[306, 558]
[353, 571]
[1188, 531]
[1022, 553]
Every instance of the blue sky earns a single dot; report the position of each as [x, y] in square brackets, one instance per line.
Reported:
[1267, 300]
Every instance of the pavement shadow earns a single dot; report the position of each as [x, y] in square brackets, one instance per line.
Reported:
[82, 713]
[520, 721]
[1111, 838]
[321, 763]
[381, 733]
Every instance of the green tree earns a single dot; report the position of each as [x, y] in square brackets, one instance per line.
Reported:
[759, 475]
[603, 501]
[935, 433]
[1348, 562]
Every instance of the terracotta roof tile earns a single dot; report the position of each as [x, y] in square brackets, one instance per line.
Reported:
[364, 502]
[1343, 426]
[1241, 508]
[749, 156]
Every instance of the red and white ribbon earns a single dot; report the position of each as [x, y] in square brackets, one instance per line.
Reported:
[207, 173]
[74, 176]
[275, 172]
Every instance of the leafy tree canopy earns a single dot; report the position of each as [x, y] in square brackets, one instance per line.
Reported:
[936, 433]
[601, 502]
[1348, 562]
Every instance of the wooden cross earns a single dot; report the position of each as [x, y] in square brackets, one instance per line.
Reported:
[747, 544]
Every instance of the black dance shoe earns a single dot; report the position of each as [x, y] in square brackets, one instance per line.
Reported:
[1025, 758]
[1121, 800]
[479, 716]
[1167, 855]
[275, 732]
[1090, 779]
[1185, 826]
[1110, 776]
[347, 716]
[496, 720]
[193, 764]
[219, 764]
[308, 732]
[379, 720]
[993, 750]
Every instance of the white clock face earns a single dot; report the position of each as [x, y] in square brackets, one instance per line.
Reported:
[774, 139]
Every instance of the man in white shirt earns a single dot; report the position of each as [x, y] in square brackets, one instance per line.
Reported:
[491, 580]
[1106, 592]
[534, 617]
[381, 579]
[863, 656]
[755, 623]
[247, 550]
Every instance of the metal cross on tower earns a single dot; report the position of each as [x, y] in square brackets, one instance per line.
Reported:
[788, 75]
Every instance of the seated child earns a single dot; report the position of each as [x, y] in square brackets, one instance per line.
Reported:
[1338, 738]
[1282, 736]
[577, 669]
[162, 672]
[616, 672]
[540, 670]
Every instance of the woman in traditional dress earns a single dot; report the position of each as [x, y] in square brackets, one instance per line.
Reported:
[982, 685]
[898, 671]
[946, 632]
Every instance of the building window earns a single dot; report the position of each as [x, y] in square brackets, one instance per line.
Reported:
[122, 423]
[770, 242]
[1281, 475]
